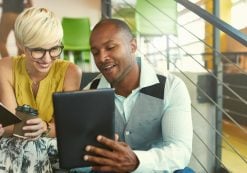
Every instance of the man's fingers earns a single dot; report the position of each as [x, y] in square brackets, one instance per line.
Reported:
[113, 144]
[116, 137]
[99, 160]
[101, 152]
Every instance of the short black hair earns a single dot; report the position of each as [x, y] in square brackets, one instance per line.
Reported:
[120, 25]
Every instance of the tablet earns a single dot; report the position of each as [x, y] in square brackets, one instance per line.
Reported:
[79, 117]
[6, 117]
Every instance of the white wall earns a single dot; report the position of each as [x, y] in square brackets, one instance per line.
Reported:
[68, 8]
[73, 8]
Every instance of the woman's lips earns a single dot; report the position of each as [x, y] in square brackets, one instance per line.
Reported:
[42, 65]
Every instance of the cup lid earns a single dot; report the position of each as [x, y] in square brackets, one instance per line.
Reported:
[27, 109]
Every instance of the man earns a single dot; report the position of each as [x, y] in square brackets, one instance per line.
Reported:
[153, 113]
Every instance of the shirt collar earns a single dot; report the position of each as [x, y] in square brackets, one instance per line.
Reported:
[148, 76]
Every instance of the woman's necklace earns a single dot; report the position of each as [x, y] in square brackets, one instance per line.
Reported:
[35, 88]
[35, 84]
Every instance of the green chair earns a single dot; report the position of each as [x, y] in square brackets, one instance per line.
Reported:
[76, 39]
[152, 21]
[151, 17]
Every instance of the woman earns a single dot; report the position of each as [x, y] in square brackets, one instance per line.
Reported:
[31, 79]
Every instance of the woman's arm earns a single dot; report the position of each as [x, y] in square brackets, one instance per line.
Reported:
[72, 79]
[72, 82]
[7, 94]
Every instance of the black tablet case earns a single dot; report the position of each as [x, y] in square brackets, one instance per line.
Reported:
[79, 117]
[6, 117]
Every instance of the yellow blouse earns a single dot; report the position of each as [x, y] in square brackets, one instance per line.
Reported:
[53, 82]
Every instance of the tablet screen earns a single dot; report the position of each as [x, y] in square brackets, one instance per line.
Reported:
[79, 118]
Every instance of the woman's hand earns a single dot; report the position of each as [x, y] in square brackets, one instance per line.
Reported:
[34, 128]
[1, 130]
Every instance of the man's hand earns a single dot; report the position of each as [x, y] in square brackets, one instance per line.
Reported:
[120, 159]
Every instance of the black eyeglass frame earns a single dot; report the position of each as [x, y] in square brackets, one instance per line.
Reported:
[44, 52]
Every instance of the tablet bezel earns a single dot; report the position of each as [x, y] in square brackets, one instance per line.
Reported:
[7, 117]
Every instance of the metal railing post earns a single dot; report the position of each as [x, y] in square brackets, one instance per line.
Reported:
[218, 71]
[106, 9]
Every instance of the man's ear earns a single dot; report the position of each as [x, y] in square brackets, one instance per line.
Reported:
[133, 44]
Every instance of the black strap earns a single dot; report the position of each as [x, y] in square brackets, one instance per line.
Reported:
[156, 90]
[95, 84]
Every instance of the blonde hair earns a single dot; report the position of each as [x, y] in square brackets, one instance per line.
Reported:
[37, 27]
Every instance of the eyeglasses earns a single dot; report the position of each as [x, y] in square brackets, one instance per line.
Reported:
[39, 53]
